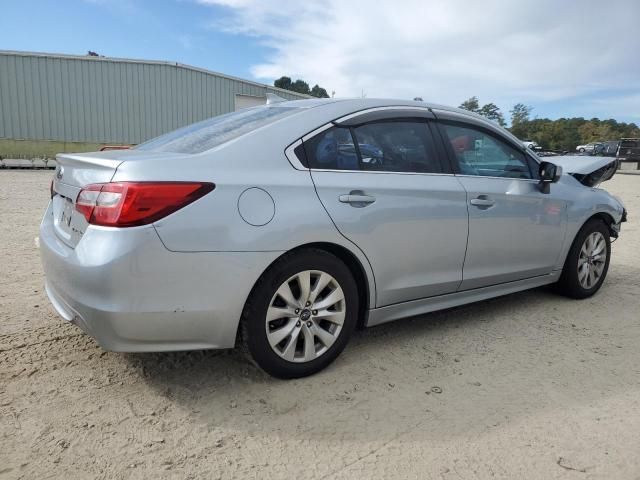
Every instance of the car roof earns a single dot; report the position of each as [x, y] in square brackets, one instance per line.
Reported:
[344, 106]
[357, 104]
[364, 103]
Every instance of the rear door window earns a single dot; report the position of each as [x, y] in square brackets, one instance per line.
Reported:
[401, 146]
[390, 146]
[332, 149]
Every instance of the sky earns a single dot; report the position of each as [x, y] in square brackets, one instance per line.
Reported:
[564, 58]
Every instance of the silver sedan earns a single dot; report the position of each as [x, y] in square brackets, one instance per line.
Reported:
[287, 226]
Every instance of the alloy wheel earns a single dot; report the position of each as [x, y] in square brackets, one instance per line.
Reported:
[591, 260]
[305, 316]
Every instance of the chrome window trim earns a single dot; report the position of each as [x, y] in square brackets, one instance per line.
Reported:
[290, 153]
[379, 109]
[530, 180]
[475, 120]
[380, 172]
[326, 126]
[297, 164]
[318, 130]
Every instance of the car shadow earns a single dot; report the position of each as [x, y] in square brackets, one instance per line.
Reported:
[465, 368]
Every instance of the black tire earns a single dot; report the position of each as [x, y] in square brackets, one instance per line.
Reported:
[254, 333]
[581, 150]
[569, 284]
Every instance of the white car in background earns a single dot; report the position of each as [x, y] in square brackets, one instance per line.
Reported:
[593, 147]
[530, 144]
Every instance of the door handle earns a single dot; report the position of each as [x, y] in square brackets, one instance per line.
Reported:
[357, 199]
[482, 201]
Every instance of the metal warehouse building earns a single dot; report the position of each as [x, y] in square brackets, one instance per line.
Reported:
[54, 103]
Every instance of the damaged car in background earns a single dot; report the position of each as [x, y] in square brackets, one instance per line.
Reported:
[286, 226]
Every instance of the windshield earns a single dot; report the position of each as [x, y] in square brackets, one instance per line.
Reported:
[215, 131]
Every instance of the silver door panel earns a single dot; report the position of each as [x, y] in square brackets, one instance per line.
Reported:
[411, 227]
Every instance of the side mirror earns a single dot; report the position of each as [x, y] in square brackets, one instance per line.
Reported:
[549, 173]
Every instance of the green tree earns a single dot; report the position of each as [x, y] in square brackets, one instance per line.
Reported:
[520, 113]
[492, 112]
[519, 118]
[566, 133]
[489, 110]
[300, 86]
[472, 104]
[283, 82]
[318, 91]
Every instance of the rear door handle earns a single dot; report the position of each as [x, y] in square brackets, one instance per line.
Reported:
[357, 199]
[482, 201]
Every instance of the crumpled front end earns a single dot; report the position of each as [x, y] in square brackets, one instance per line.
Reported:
[589, 171]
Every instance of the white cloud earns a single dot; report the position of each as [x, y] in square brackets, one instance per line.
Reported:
[447, 50]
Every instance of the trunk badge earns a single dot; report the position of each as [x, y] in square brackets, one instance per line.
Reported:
[60, 173]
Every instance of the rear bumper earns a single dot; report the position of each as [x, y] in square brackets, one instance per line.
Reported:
[125, 289]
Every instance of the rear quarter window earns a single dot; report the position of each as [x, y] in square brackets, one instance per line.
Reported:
[208, 134]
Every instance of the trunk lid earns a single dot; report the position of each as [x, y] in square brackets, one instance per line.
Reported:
[74, 172]
[590, 171]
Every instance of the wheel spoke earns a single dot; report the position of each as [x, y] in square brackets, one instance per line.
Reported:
[598, 269]
[304, 281]
[309, 344]
[583, 251]
[276, 336]
[324, 336]
[287, 295]
[274, 313]
[590, 243]
[321, 283]
[333, 316]
[331, 299]
[599, 246]
[583, 272]
[289, 351]
[592, 277]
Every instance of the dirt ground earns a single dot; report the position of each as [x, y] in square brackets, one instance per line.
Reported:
[526, 386]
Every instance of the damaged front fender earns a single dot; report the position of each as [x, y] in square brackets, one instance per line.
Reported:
[589, 171]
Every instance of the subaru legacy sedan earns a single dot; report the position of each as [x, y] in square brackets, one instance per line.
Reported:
[286, 226]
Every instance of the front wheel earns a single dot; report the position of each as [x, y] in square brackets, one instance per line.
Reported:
[587, 263]
[301, 314]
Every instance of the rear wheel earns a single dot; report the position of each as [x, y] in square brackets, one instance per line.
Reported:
[301, 314]
[587, 263]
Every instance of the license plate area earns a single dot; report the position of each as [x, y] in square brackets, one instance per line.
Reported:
[69, 224]
[65, 216]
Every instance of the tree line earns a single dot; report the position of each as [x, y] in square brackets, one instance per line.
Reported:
[560, 134]
[300, 86]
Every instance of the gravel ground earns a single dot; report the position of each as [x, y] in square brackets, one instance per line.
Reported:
[530, 385]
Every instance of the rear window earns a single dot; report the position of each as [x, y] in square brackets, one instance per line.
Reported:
[215, 131]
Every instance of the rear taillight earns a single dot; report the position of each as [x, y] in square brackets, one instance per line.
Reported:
[129, 204]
